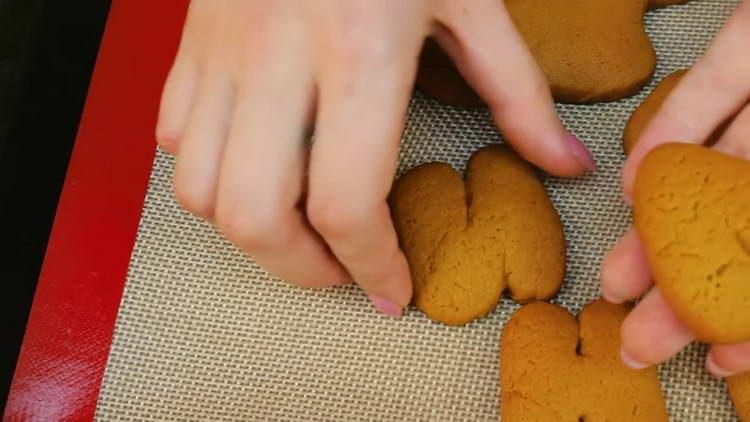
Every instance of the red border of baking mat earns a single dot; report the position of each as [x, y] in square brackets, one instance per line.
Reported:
[70, 327]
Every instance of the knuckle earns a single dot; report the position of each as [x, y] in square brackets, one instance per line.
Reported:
[360, 46]
[255, 228]
[193, 200]
[333, 216]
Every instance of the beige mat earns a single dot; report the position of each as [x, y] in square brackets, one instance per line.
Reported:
[204, 334]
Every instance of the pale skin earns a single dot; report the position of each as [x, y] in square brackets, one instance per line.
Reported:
[716, 89]
[252, 77]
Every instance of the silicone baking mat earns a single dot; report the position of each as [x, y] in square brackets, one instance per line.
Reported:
[205, 334]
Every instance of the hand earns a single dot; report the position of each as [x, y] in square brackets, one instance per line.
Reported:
[252, 77]
[715, 90]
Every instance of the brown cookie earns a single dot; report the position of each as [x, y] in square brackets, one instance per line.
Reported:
[692, 212]
[554, 368]
[467, 241]
[643, 114]
[589, 50]
[739, 390]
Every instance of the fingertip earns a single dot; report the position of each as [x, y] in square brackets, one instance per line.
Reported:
[652, 334]
[715, 369]
[727, 360]
[401, 288]
[625, 273]
[580, 153]
[176, 104]
[630, 361]
[609, 293]
[562, 154]
[386, 307]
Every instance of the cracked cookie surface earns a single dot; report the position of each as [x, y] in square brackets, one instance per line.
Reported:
[554, 368]
[692, 212]
[467, 241]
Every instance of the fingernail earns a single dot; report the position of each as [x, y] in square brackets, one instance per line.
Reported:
[386, 307]
[631, 362]
[715, 369]
[582, 154]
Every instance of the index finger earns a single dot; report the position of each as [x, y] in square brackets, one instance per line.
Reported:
[353, 160]
[715, 88]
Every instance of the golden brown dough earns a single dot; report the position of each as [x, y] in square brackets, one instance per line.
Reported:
[692, 212]
[739, 390]
[466, 242]
[590, 50]
[545, 378]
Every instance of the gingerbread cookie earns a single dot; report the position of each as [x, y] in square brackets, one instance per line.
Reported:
[643, 114]
[739, 390]
[692, 212]
[554, 368]
[589, 50]
[467, 241]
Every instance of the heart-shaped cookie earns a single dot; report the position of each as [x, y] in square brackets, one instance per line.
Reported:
[692, 212]
[554, 368]
[466, 242]
[739, 390]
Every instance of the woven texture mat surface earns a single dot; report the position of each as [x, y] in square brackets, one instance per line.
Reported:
[204, 334]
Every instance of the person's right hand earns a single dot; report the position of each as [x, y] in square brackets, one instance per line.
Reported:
[250, 79]
[714, 91]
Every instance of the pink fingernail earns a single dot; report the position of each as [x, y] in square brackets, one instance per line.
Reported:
[582, 154]
[631, 362]
[715, 369]
[386, 307]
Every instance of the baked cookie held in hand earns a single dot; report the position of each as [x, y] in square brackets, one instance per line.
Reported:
[692, 212]
[739, 390]
[589, 50]
[554, 368]
[467, 241]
